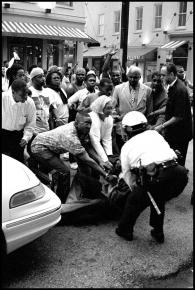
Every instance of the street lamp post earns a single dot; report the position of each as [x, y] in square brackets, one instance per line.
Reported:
[124, 32]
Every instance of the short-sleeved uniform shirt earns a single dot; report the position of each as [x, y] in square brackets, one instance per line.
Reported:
[60, 140]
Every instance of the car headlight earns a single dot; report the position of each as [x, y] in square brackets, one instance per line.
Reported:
[27, 196]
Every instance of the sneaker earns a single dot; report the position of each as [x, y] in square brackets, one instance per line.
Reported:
[73, 165]
[158, 236]
[126, 235]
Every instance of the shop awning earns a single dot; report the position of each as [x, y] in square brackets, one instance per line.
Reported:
[173, 44]
[96, 52]
[134, 53]
[32, 30]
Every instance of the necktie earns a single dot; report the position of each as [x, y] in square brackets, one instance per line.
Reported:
[132, 96]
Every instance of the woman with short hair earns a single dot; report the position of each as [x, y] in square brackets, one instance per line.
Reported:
[59, 112]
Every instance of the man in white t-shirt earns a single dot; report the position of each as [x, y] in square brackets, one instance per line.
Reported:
[42, 102]
[150, 169]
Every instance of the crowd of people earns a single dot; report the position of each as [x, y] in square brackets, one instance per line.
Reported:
[51, 115]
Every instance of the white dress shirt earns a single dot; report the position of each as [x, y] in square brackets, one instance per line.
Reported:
[170, 85]
[101, 132]
[148, 147]
[18, 116]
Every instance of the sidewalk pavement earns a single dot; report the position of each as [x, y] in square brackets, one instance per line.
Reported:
[119, 263]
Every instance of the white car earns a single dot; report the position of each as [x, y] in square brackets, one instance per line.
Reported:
[29, 208]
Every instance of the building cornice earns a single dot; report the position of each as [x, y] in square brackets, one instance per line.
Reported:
[38, 15]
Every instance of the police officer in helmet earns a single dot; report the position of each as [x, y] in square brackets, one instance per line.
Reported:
[150, 169]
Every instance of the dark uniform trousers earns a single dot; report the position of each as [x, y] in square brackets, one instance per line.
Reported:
[11, 144]
[169, 183]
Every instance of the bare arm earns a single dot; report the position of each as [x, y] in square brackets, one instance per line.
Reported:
[160, 111]
[106, 64]
[171, 122]
[30, 122]
[92, 153]
[91, 163]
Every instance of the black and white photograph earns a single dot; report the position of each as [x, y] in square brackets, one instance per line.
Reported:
[97, 144]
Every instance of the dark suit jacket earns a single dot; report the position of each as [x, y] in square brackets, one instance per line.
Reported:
[178, 105]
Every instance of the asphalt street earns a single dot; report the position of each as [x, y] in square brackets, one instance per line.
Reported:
[93, 256]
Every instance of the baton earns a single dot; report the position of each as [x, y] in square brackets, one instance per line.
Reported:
[154, 203]
[148, 193]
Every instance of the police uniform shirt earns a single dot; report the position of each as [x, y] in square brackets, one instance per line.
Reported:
[148, 147]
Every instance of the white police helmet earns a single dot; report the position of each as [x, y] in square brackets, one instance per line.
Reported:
[134, 118]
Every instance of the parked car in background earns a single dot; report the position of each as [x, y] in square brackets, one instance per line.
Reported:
[29, 208]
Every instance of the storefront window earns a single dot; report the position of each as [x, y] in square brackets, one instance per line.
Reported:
[180, 56]
[52, 52]
[29, 50]
[69, 53]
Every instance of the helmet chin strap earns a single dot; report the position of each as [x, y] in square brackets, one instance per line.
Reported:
[132, 131]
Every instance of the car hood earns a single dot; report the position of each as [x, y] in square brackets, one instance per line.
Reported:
[16, 176]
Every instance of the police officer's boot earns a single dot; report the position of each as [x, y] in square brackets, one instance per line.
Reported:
[158, 235]
[127, 235]
[63, 186]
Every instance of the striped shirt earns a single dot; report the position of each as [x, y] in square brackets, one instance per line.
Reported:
[18, 116]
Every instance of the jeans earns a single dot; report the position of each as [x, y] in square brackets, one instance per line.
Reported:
[51, 160]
